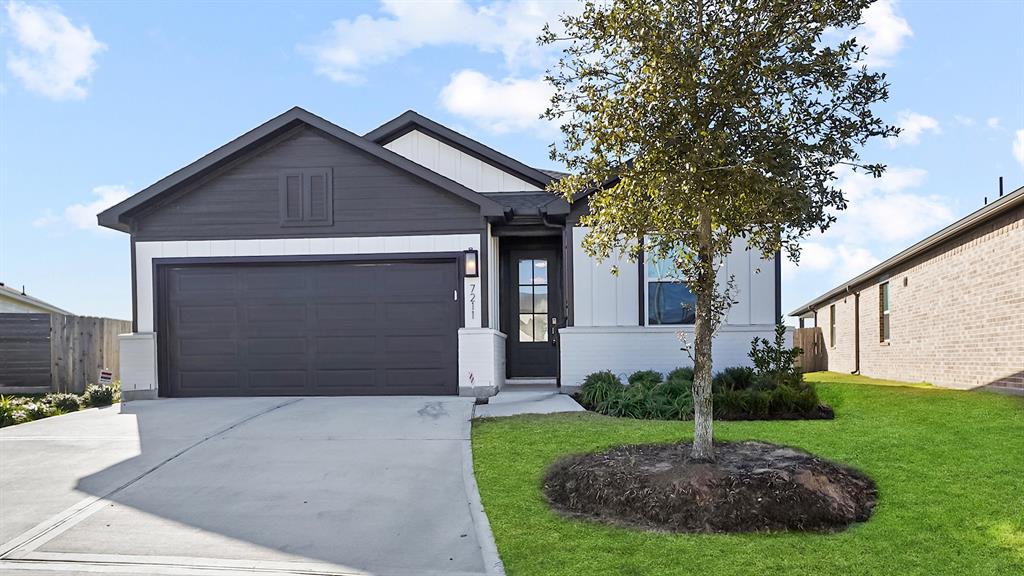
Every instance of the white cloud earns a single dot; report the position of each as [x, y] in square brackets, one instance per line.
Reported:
[83, 216]
[883, 32]
[884, 215]
[1018, 147]
[350, 46]
[912, 125]
[993, 123]
[509, 105]
[886, 209]
[964, 120]
[52, 57]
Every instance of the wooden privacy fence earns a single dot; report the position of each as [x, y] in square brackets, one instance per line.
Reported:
[53, 352]
[814, 356]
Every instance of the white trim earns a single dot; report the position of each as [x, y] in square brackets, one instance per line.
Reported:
[145, 252]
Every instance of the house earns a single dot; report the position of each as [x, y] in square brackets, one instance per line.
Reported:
[948, 310]
[304, 259]
[18, 302]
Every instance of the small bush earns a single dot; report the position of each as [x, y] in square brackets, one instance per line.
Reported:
[7, 410]
[66, 402]
[37, 410]
[645, 378]
[681, 374]
[98, 395]
[599, 388]
[734, 378]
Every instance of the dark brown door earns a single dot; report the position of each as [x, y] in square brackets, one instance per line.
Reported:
[535, 305]
[311, 328]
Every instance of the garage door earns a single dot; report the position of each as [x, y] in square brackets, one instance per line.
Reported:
[313, 328]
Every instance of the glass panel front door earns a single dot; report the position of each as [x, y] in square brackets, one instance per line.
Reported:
[533, 300]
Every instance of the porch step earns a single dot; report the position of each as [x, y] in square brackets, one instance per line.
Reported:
[534, 382]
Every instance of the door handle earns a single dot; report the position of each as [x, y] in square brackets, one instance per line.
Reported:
[554, 331]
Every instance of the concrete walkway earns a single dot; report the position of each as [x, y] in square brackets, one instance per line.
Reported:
[252, 485]
[513, 400]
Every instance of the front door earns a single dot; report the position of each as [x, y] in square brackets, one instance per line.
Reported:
[532, 283]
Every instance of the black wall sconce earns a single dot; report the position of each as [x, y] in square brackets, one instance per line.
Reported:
[471, 263]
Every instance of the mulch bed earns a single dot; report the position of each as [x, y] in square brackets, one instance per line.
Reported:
[751, 487]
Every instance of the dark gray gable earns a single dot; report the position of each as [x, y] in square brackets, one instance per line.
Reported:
[250, 198]
[411, 120]
[119, 217]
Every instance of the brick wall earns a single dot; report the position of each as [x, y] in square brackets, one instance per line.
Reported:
[956, 314]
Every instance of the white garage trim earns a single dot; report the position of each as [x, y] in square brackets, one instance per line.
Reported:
[146, 252]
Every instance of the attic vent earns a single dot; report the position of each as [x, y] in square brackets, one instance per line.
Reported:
[307, 197]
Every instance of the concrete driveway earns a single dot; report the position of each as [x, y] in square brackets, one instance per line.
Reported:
[254, 485]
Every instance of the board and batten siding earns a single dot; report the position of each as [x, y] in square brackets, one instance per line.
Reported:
[608, 334]
[146, 252]
[601, 298]
[371, 197]
[456, 165]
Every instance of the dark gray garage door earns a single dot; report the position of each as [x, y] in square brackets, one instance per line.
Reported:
[314, 328]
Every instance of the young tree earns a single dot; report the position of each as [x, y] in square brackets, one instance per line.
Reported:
[698, 121]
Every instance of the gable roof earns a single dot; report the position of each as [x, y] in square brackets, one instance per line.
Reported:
[18, 296]
[411, 120]
[972, 220]
[117, 216]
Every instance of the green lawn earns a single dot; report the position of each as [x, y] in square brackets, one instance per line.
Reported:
[949, 466]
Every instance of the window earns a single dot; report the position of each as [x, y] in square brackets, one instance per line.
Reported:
[307, 197]
[832, 326]
[669, 301]
[533, 300]
[883, 312]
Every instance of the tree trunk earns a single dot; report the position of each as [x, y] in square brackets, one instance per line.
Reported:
[703, 447]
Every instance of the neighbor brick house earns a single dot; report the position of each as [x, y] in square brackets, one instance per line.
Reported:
[949, 310]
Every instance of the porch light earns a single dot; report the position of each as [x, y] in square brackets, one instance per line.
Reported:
[472, 267]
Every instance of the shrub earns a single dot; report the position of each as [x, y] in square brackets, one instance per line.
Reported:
[645, 378]
[681, 374]
[98, 395]
[7, 409]
[37, 410]
[599, 388]
[66, 402]
[734, 378]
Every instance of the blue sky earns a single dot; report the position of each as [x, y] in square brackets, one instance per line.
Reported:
[100, 99]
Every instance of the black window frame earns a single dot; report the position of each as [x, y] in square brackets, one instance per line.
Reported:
[884, 316]
[650, 282]
[832, 326]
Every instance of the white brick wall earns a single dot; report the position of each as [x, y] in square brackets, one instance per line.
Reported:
[624, 350]
[481, 362]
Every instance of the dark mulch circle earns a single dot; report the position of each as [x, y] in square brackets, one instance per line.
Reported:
[751, 487]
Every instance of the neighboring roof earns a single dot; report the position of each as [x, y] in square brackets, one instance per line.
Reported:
[18, 296]
[976, 218]
[554, 174]
[116, 216]
[531, 203]
[411, 120]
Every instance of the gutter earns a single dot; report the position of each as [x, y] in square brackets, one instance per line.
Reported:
[966, 223]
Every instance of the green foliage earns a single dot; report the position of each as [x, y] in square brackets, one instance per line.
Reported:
[36, 410]
[733, 378]
[65, 401]
[959, 510]
[599, 388]
[681, 374]
[645, 378]
[739, 393]
[774, 360]
[7, 409]
[98, 395]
